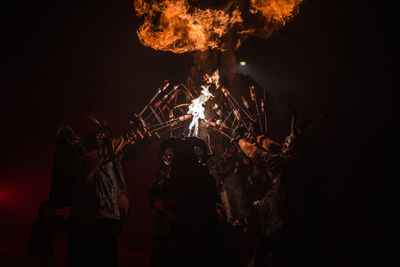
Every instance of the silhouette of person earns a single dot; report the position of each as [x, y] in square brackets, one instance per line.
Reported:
[231, 173]
[285, 216]
[97, 191]
[45, 227]
[190, 195]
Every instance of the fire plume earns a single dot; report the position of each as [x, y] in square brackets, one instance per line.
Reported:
[173, 25]
[178, 27]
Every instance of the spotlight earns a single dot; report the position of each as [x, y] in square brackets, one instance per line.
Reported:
[242, 63]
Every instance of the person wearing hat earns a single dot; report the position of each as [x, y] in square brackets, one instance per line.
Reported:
[88, 177]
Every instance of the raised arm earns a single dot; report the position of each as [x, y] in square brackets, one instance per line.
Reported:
[133, 149]
[86, 165]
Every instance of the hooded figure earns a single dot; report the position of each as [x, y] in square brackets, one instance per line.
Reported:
[68, 147]
[231, 170]
[189, 194]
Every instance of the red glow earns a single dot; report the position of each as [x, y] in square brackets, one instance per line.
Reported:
[4, 195]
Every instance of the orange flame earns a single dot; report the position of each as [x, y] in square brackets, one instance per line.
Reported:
[170, 26]
[279, 11]
[213, 79]
[176, 26]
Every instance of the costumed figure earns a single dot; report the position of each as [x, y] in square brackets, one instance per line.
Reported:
[184, 197]
[97, 191]
[283, 211]
[231, 172]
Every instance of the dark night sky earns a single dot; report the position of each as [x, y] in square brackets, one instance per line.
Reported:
[66, 57]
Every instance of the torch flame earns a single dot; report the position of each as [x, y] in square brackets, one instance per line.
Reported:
[279, 11]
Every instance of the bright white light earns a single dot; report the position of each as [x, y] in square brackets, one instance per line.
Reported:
[197, 110]
[243, 63]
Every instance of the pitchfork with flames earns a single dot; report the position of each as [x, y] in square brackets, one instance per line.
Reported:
[211, 106]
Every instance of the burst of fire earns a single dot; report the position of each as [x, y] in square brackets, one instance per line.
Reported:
[176, 26]
[173, 25]
[276, 10]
